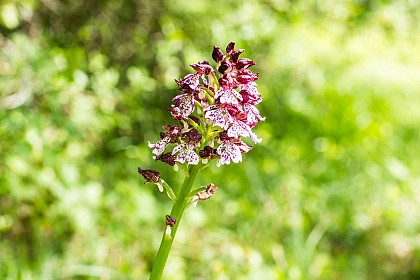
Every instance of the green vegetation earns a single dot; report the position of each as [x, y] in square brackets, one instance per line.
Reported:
[332, 192]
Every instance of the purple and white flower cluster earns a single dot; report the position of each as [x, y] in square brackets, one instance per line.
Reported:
[214, 110]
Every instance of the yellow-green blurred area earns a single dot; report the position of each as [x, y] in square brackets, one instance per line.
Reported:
[332, 192]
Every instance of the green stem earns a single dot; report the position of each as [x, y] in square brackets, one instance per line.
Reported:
[177, 211]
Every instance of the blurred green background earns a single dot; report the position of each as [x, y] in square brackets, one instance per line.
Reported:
[332, 192]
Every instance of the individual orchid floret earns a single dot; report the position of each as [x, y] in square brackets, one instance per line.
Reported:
[159, 146]
[183, 106]
[218, 114]
[245, 76]
[231, 149]
[239, 128]
[202, 67]
[170, 135]
[186, 153]
[250, 115]
[151, 176]
[250, 94]
[232, 53]
[205, 194]
[172, 131]
[229, 96]
[189, 84]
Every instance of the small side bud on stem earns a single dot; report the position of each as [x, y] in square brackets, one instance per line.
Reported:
[170, 222]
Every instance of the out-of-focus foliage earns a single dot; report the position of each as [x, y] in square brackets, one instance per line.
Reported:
[333, 192]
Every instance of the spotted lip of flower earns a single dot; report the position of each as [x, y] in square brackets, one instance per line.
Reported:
[231, 149]
[240, 127]
[186, 153]
[250, 94]
[218, 114]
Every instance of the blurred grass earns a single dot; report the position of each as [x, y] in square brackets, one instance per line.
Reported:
[331, 193]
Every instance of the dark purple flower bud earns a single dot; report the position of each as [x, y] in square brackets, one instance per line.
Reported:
[233, 111]
[228, 81]
[183, 106]
[192, 136]
[170, 221]
[223, 81]
[244, 63]
[150, 175]
[208, 153]
[167, 158]
[203, 67]
[194, 119]
[235, 55]
[245, 76]
[230, 47]
[172, 131]
[217, 54]
[224, 67]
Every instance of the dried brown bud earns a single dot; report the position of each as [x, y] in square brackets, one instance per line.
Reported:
[167, 158]
[230, 48]
[206, 194]
[211, 189]
[150, 175]
[217, 54]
